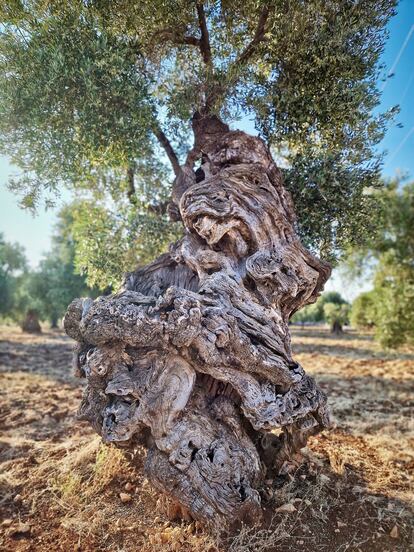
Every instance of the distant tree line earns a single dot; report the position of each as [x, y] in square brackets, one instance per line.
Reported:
[27, 296]
[389, 307]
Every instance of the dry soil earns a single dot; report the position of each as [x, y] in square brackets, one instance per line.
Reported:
[60, 488]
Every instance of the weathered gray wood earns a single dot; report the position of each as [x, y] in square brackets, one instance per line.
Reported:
[192, 358]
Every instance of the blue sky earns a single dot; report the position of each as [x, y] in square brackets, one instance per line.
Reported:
[34, 232]
[399, 53]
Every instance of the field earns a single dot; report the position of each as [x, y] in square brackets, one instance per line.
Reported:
[60, 487]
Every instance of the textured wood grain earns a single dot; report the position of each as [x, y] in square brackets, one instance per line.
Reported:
[192, 358]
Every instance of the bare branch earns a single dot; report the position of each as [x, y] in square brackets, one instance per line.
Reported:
[258, 37]
[166, 144]
[204, 42]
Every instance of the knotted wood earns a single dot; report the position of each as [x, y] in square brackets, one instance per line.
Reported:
[192, 358]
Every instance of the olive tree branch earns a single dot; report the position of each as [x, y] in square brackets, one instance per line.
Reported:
[258, 37]
[169, 150]
[175, 38]
[241, 60]
[131, 185]
[204, 42]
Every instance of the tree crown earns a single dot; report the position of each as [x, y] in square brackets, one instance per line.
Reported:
[98, 95]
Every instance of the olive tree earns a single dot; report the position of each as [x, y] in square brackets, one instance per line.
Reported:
[191, 357]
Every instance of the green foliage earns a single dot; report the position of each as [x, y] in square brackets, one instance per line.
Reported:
[310, 313]
[394, 289]
[12, 265]
[85, 86]
[336, 315]
[109, 244]
[53, 286]
[71, 99]
[390, 306]
[55, 283]
[315, 102]
[102, 245]
[332, 297]
[363, 312]
[334, 201]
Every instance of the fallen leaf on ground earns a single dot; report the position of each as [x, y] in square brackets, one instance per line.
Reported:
[394, 532]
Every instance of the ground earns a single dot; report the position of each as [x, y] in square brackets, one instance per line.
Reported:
[61, 489]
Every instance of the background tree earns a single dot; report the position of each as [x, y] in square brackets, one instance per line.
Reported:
[15, 303]
[13, 264]
[25, 309]
[390, 254]
[363, 312]
[309, 314]
[317, 312]
[55, 283]
[336, 316]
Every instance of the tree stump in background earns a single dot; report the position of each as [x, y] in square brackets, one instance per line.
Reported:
[192, 358]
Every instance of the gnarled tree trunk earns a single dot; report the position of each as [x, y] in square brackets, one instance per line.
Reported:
[192, 358]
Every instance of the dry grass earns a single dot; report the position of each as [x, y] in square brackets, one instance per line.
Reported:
[352, 494]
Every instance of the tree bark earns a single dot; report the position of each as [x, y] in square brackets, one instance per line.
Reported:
[337, 328]
[31, 323]
[192, 357]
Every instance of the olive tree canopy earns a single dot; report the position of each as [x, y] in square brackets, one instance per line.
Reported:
[99, 95]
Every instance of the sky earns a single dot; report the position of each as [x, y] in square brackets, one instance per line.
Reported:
[34, 233]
